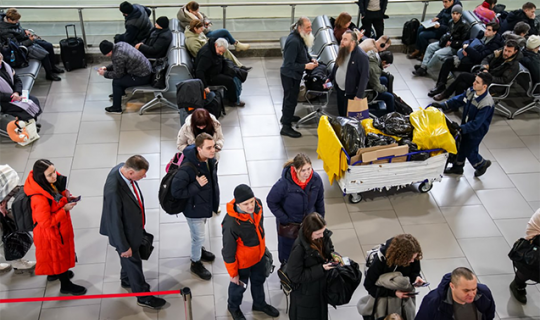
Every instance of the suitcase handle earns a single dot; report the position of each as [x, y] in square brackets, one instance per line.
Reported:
[74, 30]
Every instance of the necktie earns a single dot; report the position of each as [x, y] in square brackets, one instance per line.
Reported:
[139, 200]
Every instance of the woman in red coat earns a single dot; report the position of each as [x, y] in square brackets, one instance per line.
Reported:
[53, 231]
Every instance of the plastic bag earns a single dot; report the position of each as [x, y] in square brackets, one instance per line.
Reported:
[350, 132]
[395, 124]
[341, 282]
[414, 148]
[374, 139]
[368, 127]
[431, 131]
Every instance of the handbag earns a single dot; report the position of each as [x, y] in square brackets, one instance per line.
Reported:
[146, 248]
[37, 52]
[289, 231]
[444, 39]
[16, 244]
[526, 252]
[269, 263]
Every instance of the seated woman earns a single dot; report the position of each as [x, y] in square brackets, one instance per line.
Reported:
[198, 122]
[10, 95]
[11, 29]
[342, 24]
[191, 12]
[195, 40]
[158, 42]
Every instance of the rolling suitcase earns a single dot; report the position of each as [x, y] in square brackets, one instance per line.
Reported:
[72, 51]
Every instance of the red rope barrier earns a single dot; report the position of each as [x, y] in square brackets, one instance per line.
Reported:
[95, 296]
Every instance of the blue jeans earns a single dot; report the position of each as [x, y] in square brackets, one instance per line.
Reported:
[435, 53]
[196, 228]
[221, 33]
[423, 36]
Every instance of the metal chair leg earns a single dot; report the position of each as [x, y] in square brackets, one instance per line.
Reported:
[530, 106]
[149, 105]
[504, 110]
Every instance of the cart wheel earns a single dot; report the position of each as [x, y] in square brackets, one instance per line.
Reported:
[425, 187]
[355, 197]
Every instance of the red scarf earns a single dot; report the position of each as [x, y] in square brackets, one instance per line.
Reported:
[297, 181]
[486, 5]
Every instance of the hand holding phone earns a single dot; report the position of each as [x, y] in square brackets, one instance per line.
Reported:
[328, 85]
[74, 199]
[425, 284]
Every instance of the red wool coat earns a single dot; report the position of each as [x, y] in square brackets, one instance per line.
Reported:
[53, 234]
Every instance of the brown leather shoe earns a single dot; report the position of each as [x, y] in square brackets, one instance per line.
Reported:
[414, 55]
[440, 97]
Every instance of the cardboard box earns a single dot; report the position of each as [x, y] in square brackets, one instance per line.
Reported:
[360, 152]
[370, 155]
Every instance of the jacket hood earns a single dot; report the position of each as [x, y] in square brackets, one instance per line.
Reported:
[190, 153]
[136, 13]
[31, 187]
[231, 210]
[189, 34]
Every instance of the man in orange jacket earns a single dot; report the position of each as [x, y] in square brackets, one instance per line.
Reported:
[243, 252]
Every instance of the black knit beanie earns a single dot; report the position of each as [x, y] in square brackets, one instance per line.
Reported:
[163, 22]
[126, 7]
[105, 47]
[242, 193]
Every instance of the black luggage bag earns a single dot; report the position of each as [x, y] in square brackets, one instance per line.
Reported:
[72, 51]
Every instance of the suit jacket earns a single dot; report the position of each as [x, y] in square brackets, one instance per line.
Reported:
[122, 217]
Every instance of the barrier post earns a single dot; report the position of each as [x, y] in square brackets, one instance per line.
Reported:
[186, 293]
[358, 19]
[426, 3]
[154, 15]
[224, 19]
[82, 27]
[293, 8]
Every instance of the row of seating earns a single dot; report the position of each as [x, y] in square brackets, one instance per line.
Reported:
[29, 74]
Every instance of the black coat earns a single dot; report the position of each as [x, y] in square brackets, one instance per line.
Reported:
[357, 76]
[513, 18]
[363, 4]
[445, 16]
[531, 61]
[503, 71]
[202, 200]
[138, 26]
[157, 44]
[479, 52]
[208, 63]
[121, 218]
[295, 56]
[304, 267]
[13, 31]
[379, 268]
[16, 85]
[459, 32]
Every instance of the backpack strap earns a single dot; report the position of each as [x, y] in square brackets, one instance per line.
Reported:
[191, 165]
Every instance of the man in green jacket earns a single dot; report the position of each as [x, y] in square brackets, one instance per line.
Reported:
[379, 80]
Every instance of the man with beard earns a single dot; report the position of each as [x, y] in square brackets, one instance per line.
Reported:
[351, 74]
[295, 60]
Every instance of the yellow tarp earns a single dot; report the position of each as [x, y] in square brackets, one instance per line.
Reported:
[329, 150]
[431, 131]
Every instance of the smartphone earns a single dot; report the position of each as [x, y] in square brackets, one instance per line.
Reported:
[346, 261]
[75, 199]
[412, 293]
[24, 96]
[328, 85]
[422, 285]
[242, 284]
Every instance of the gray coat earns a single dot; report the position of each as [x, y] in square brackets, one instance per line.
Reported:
[126, 60]
[121, 218]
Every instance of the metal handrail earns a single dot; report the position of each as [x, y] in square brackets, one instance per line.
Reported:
[222, 5]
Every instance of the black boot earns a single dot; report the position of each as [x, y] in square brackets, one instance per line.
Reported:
[237, 314]
[287, 130]
[70, 275]
[482, 169]
[439, 88]
[519, 293]
[55, 69]
[52, 77]
[456, 169]
[420, 72]
[199, 269]
[207, 256]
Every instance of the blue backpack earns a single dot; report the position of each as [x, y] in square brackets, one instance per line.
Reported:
[14, 55]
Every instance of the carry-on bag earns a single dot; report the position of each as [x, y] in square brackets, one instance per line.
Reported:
[72, 51]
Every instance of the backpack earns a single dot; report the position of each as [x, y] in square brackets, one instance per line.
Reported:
[20, 54]
[410, 29]
[401, 106]
[370, 257]
[159, 73]
[21, 209]
[315, 79]
[170, 204]
[216, 106]
[175, 162]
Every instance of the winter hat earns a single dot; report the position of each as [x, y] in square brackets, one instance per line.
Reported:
[105, 47]
[242, 193]
[163, 22]
[126, 7]
[533, 42]
[457, 8]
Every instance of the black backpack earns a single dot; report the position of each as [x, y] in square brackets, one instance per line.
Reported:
[216, 106]
[314, 80]
[401, 106]
[410, 28]
[20, 55]
[22, 211]
[159, 73]
[170, 204]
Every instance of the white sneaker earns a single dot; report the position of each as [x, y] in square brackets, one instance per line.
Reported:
[23, 265]
[4, 267]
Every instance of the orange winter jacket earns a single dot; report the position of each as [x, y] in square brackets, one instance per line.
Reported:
[243, 238]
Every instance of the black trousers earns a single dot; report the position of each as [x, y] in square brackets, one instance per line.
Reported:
[254, 273]
[120, 85]
[48, 62]
[132, 273]
[448, 66]
[228, 82]
[14, 110]
[462, 83]
[375, 19]
[342, 101]
[291, 89]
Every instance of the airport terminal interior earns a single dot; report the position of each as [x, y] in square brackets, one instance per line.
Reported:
[462, 221]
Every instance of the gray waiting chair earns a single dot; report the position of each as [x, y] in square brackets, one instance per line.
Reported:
[323, 39]
[320, 23]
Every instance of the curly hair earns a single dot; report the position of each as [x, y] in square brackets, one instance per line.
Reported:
[402, 249]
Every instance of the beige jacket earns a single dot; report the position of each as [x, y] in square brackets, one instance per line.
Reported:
[186, 136]
[533, 226]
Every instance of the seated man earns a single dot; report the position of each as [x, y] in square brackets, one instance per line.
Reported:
[424, 35]
[10, 28]
[379, 45]
[378, 79]
[209, 68]
[137, 23]
[129, 68]
[525, 14]
[502, 64]
[518, 34]
[195, 40]
[456, 32]
[531, 58]
[478, 107]
[472, 53]
[157, 44]
[10, 95]
[485, 12]
[459, 296]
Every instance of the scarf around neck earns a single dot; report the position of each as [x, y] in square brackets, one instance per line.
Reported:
[297, 181]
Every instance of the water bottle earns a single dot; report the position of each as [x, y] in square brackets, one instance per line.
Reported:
[12, 59]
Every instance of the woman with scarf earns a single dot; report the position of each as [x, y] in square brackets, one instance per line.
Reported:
[296, 194]
[191, 12]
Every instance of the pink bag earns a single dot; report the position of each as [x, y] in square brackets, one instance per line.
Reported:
[175, 162]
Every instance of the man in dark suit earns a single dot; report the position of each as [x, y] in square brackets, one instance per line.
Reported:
[123, 219]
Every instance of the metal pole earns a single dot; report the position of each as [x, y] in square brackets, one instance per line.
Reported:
[186, 293]
[426, 3]
[293, 8]
[82, 28]
[154, 14]
[358, 19]
[224, 17]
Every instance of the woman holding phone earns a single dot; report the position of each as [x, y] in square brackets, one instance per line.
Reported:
[51, 204]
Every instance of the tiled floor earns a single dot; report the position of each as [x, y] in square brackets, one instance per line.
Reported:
[462, 222]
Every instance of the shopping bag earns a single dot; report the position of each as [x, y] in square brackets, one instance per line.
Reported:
[358, 109]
